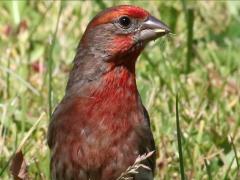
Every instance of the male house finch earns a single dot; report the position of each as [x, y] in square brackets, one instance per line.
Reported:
[100, 127]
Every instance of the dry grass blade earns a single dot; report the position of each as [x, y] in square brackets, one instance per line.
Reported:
[134, 168]
[235, 154]
[29, 133]
[19, 78]
[18, 166]
[208, 167]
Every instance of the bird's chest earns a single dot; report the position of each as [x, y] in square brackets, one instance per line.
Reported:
[103, 138]
[113, 115]
[115, 106]
[103, 127]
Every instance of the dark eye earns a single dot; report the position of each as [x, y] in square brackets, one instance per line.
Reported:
[125, 21]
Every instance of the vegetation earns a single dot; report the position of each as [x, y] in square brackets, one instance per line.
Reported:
[199, 63]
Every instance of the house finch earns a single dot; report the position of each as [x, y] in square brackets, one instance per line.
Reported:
[101, 126]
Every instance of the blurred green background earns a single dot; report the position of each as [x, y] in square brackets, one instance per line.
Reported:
[199, 61]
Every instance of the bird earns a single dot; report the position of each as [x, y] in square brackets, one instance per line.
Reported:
[100, 127]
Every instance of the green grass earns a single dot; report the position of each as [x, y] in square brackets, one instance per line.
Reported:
[200, 63]
[179, 140]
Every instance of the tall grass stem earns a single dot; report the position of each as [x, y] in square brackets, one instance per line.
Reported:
[181, 163]
[50, 61]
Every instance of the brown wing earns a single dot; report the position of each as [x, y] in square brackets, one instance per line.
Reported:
[151, 145]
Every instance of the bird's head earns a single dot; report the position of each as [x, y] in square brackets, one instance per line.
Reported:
[113, 40]
[120, 32]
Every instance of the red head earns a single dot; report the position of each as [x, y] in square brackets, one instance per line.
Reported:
[116, 36]
[114, 13]
[122, 30]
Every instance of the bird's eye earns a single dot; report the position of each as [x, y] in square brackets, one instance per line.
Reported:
[125, 21]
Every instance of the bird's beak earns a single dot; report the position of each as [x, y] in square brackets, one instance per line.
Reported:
[152, 28]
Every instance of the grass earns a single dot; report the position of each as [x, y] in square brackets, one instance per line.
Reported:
[181, 163]
[200, 63]
[50, 60]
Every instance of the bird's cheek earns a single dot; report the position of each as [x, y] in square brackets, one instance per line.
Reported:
[122, 44]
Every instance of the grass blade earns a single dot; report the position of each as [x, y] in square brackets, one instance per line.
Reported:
[208, 167]
[19, 78]
[8, 75]
[235, 154]
[23, 142]
[15, 12]
[228, 169]
[181, 164]
[50, 61]
[190, 24]
[189, 16]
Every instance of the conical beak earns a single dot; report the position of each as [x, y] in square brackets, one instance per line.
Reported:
[152, 28]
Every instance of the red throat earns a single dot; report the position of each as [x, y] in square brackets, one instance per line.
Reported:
[123, 47]
[116, 83]
[118, 93]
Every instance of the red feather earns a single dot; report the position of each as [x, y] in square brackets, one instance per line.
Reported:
[118, 11]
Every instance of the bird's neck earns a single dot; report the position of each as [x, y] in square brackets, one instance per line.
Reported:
[93, 76]
[116, 84]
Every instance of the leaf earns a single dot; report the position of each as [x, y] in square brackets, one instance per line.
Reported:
[18, 167]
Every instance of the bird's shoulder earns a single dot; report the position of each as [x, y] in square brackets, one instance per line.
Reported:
[64, 116]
